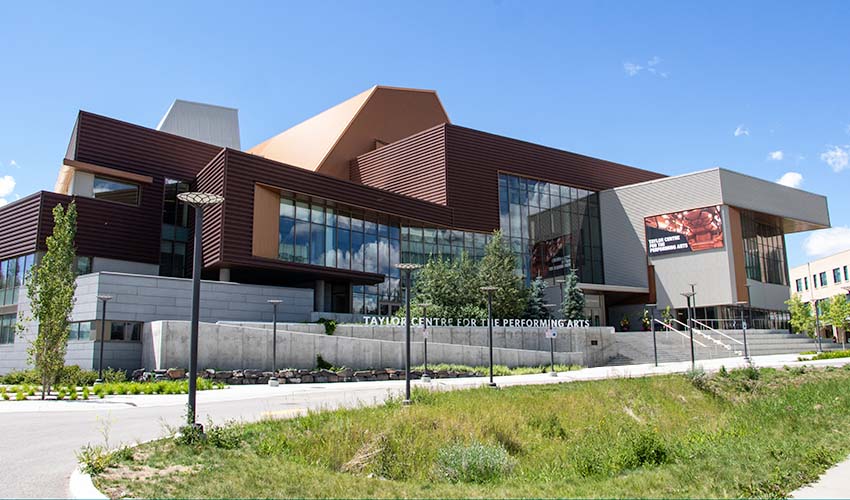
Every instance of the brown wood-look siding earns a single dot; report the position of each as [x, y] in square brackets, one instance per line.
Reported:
[233, 229]
[107, 229]
[210, 180]
[19, 226]
[474, 160]
[415, 166]
[115, 144]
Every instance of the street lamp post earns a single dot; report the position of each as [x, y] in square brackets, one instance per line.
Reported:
[407, 268]
[550, 334]
[689, 296]
[273, 381]
[425, 376]
[651, 308]
[489, 291]
[104, 299]
[744, 329]
[693, 298]
[815, 304]
[198, 201]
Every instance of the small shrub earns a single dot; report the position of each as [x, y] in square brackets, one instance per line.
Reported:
[61, 394]
[94, 459]
[750, 372]
[20, 396]
[85, 392]
[73, 395]
[473, 463]
[321, 364]
[549, 426]
[722, 372]
[699, 379]
[330, 325]
[190, 435]
[226, 437]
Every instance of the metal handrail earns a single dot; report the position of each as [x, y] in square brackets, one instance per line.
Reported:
[670, 328]
[703, 335]
[733, 339]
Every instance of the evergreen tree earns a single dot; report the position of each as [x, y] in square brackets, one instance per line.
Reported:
[536, 304]
[802, 317]
[573, 306]
[50, 288]
[498, 268]
[451, 287]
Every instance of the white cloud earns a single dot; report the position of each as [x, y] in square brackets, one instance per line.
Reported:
[3, 202]
[632, 69]
[741, 130]
[776, 155]
[836, 157]
[7, 185]
[791, 179]
[651, 66]
[827, 241]
[13, 163]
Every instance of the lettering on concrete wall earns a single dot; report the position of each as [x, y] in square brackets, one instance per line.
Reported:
[472, 322]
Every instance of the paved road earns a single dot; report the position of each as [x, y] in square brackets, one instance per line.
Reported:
[40, 439]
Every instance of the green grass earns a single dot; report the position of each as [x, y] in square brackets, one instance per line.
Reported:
[498, 370]
[736, 433]
[828, 355]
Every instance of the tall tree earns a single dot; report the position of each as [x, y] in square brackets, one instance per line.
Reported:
[498, 268]
[573, 306]
[802, 318]
[837, 312]
[535, 307]
[50, 288]
[451, 287]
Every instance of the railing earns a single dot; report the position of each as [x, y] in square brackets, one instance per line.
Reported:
[671, 329]
[717, 342]
[718, 332]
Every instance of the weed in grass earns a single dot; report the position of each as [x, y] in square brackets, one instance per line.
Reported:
[226, 437]
[190, 435]
[94, 459]
[473, 463]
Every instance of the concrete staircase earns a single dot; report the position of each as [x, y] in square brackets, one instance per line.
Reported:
[636, 347]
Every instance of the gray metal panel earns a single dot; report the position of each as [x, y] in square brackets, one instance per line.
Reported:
[759, 195]
[622, 212]
[203, 122]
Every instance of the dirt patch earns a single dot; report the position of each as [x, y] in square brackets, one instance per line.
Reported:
[123, 474]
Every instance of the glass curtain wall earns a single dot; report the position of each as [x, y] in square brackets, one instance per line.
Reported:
[323, 233]
[175, 231]
[12, 274]
[764, 250]
[552, 228]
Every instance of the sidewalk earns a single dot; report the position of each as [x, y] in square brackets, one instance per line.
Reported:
[834, 483]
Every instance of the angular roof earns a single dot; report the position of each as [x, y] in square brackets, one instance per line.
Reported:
[328, 141]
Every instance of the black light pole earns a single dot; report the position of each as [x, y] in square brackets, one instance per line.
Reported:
[104, 299]
[198, 201]
[651, 308]
[407, 268]
[425, 377]
[552, 332]
[489, 291]
[744, 329]
[689, 295]
[273, 381]
[693, 297]
[749, 307]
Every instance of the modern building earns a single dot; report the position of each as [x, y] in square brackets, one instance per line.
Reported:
[320, 214]
[823, 278]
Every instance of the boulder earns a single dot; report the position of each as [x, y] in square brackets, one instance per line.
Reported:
[138, 374]
[307, 379]
[224, 374]
[252, 373]
[208, 373]
[176, 373]
[345, 373]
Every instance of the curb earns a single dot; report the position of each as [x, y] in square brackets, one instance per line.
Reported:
[81, 486]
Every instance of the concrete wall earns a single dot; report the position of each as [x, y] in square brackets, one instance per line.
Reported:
[147, 298]
[102, 264]
[229, 347]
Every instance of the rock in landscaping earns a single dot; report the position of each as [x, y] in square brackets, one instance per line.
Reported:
[222, 375]
[176, 373]
[252, 373]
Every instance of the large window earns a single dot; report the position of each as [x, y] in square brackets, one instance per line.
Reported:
[175, 231]
[823, 281]
[799, 284]
[125, 330]
[552, 228]
[116, 191]
[12, 274]
[764, 249]
[81, 330]
[7, 328]
[836, 275]
[322, 233]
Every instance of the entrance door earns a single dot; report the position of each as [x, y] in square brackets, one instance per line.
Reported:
[594, 309]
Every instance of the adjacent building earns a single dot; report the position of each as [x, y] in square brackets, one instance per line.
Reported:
[320, 215]
[823, 278]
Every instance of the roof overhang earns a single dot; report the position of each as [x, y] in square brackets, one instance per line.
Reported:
[66, 174]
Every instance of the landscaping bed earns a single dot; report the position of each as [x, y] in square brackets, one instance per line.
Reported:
[750, 433]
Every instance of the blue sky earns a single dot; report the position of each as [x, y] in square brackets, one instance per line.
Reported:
[659, 85]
